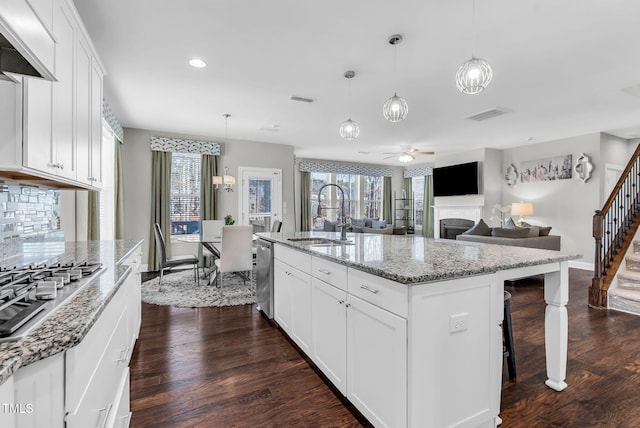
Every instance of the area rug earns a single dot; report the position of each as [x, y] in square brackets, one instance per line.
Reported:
[180, 289]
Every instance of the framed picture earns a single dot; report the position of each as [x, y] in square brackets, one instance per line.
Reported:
[548, 169]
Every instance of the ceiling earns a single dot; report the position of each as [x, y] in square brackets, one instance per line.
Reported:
[560, 67]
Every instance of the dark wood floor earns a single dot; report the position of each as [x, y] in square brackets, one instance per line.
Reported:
[229, 367]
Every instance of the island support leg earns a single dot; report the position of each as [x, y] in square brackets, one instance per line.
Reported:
[556, 295]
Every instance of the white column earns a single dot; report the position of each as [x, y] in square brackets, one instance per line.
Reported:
[556, 295]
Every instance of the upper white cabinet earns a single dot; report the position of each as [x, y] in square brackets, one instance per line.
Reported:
[61, 126]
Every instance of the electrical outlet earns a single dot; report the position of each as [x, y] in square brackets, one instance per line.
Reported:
[458, 322]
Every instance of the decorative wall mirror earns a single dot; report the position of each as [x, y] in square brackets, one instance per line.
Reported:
[511, 176]
[583, 167]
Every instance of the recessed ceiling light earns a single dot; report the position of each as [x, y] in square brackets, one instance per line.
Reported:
[197, 62]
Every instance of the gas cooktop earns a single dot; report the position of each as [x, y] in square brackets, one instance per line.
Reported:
[30, 293]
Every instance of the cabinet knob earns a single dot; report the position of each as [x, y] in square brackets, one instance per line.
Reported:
[341, 301]
[61, 166]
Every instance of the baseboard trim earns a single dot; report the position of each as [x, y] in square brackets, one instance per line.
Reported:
[581, 265]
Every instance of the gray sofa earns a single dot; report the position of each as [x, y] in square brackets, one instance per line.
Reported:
[549, 242]
[526, 235]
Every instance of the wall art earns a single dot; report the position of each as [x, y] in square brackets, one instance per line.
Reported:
[511, 176]
[583, 167]
[547, 169]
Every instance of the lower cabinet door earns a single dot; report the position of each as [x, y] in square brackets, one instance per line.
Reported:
[301, 309]
[282, 296]
[377, 363]
[329, 325]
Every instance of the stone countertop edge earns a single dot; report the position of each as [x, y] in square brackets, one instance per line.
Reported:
[70, 323]
[529, 257]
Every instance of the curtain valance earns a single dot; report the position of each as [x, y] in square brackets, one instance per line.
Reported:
[338, 168]
[418, 172]
[178, 145]
[112, 120]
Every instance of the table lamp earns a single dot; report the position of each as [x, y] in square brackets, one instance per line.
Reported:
[521, 209]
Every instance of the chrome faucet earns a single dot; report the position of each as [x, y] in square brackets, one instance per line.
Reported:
[343, 216]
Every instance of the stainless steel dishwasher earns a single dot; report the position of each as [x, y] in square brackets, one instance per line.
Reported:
[264, 277]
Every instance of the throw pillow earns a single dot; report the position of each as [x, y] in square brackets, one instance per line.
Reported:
[378, 224]
[480, 228]
[501, 232]
[367, 221]
[509, 224]
[534, 231]
[357, 222]
[329, 226]
[544, 231]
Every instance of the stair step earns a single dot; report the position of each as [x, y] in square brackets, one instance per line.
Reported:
[624, 300]
[629, 279]
[633, 261]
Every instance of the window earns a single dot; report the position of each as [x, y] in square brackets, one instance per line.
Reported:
[362, 197]
[417, 184]
[184, 208]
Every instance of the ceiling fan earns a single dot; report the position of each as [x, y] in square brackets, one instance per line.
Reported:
[407, 154]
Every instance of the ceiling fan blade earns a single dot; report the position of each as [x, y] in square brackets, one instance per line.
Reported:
[389, 153]
[423, 153]
[389, 157]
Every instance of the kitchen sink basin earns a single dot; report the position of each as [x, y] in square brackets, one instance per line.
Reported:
[320, 242]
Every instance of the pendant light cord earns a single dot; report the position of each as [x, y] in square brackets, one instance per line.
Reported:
[473, 29]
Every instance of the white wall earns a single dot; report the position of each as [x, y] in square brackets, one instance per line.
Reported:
[136, 162]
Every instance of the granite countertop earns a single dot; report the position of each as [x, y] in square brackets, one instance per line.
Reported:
[69, 324]
[414, 259]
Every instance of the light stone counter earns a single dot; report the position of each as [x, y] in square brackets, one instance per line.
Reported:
[413, 259]
[69, 324]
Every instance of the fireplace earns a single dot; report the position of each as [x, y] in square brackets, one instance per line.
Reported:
[452, 227]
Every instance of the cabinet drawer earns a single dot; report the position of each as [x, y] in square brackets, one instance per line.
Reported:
[100, 400]
[330, 272]
[382, 292]
[293, 257]
[83, 360]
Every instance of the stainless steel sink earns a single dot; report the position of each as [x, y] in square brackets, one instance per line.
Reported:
[320, 242]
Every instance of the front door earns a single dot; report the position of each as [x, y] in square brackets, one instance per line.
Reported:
[261, 197]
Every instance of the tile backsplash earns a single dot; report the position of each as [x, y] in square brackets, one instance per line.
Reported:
[26, 213]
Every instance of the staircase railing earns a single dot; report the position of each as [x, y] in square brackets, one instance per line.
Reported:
[613, 229]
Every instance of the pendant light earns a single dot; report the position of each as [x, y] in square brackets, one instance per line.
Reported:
[349, 129]
[396, 108]
[474, 75]
[226, 180]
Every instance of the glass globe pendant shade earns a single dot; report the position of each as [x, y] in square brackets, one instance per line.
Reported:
[349, 129]
[473, 76]
[395, 109]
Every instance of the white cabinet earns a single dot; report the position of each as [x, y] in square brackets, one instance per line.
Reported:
[88, 119]
[48, 106]
[96, 366]
[292, 297]
[7, 398]
[39, 394]
[58, 133]
[134, 299]
[329, 323]
[377, 363]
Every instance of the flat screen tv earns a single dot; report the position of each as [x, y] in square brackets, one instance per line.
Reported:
[455, 180]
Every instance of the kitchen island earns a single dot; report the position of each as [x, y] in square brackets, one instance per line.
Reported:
[409, 328]
[78, 355]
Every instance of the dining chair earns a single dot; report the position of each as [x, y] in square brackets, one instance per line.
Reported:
[235, 254]
[211, 232]
[171, 262]
[276, 226]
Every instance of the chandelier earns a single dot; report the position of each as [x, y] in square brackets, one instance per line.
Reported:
[395, 108]
[349, 129]
[475, 74]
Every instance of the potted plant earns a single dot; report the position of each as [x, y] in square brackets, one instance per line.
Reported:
[228, 220]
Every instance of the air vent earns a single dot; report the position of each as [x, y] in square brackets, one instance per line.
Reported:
[488, 114]
[302, 99]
